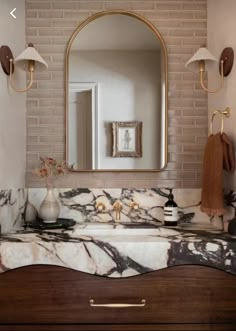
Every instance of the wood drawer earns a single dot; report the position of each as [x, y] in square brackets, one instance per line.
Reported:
[117, 327]
[55, 295]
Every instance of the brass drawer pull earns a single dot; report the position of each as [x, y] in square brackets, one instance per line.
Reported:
[117, 305]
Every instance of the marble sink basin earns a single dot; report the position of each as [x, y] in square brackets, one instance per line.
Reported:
[132, 229]
[120, 230]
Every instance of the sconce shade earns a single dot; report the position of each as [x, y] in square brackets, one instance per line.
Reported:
[202, 54]
[30, 54]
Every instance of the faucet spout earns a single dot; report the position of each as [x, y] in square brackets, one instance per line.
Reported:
[117, 206]
[118, 215]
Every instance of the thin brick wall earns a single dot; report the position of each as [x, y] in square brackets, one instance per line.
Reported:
[183, 25]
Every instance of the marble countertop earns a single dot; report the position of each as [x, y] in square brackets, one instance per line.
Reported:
[119, 251]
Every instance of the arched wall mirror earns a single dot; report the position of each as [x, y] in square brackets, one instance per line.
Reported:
[116, 95]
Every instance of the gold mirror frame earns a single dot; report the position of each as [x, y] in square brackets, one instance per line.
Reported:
[154, 29]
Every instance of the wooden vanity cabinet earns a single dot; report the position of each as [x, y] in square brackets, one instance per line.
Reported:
[178, 298]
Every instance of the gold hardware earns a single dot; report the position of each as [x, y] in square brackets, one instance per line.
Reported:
[203, 55]
[31, 65]
[134, 205]
[202, 71]
[100, 206]
[165, 78]
[117, 305]
[224, 113]
[31, 70]
[117, 206]
[29, 56]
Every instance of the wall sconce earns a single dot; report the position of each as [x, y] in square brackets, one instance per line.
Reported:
[29, 60]
[203, 59]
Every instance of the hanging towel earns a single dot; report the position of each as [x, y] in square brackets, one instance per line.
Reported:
[218, 155]
[212, 177]
[228, 154]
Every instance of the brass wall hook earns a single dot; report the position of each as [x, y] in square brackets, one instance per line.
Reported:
[224, 113]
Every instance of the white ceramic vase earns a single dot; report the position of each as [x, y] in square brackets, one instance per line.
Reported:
[50, 209]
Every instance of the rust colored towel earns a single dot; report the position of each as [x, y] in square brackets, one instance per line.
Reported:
[228, 154]
[219, 154]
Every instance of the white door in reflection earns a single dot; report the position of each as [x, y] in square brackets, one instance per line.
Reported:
[82, 131]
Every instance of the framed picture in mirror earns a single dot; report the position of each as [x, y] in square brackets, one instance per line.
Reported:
[127, 139]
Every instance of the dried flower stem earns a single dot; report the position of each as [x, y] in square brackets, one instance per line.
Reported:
[50, 169]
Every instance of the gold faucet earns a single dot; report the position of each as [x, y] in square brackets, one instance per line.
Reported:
[117, 206]
[100, 207]
[134, 205]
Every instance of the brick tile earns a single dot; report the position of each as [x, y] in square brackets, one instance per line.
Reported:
[46, 23]
[38, 5]
[50, 14]
[32, 14]
[52, 139]
[58, 4]
[50, 32]
[88, 5]
[31, 32]
[197, 131]
[182, 139]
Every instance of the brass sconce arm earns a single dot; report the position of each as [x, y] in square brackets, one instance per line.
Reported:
[29, 60]
[31, 71]
[202, 72]
[204, 58]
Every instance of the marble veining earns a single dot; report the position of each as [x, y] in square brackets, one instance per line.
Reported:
[80, 204]
[12, 208]
[100, 245]
[230, 205]
[119, 256]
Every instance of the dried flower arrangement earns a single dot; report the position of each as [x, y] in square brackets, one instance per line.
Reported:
[50, 169]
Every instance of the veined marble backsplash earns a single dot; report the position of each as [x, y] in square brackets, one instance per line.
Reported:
[12, 208]
[80, 205]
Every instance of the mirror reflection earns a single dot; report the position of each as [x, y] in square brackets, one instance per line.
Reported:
[116, 95]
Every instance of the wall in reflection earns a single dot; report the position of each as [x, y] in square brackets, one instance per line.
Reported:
[129, 89]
